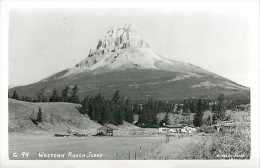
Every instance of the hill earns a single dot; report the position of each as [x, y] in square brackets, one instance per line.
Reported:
[137, 84]
[57, 117]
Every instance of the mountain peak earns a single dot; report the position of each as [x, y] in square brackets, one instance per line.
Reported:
[121, 37]
[114, 44]
[123, 48]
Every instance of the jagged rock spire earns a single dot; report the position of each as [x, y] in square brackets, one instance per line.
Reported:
[114, 40]
[121, 37]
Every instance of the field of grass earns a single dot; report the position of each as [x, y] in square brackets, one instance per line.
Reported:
[199, 146]
[110, 147]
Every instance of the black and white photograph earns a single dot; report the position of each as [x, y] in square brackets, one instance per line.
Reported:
[129, 83]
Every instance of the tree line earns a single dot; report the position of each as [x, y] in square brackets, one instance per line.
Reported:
[119, 108]
[67, 94]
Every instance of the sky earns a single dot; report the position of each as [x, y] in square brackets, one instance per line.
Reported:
[45, 41]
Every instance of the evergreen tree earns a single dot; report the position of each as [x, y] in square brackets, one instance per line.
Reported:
[90, 110]
[65, 94]
[116, 106]
[84, 106]
[54, 97]
[220, 109]
[41, 96]
[15, 95]
[98, 108]
[74, 96]
[106, 115]
[128, 112]
[199, 114]
[117, 116]
[116, 97]
[39, 115]
[109, 112]
[193, 105]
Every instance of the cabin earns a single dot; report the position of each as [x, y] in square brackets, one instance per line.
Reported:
[177, 129]
[105, 131]
[170, 129]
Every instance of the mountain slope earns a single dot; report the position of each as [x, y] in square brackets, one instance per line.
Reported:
[123, 61]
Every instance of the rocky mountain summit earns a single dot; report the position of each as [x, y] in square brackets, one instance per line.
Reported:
[112, 45]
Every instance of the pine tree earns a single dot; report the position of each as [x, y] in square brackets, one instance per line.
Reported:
[128, 112]
[199, 114]
[54, 97]
[106, 112]
[185, 106]
[98, 108]
[117, 116]
[15, 95]
[193, 105]
[116, 107]
[90, 108]
[74, 96]
[220, 111]
[39, 115]
[41, 96]
[109, 112]
[65, 94]
[84, 106]
[116, 97]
